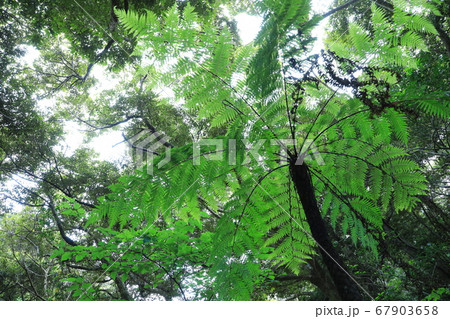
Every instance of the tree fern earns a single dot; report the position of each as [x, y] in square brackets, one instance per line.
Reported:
[263, 91]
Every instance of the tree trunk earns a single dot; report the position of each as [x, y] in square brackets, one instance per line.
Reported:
[320, 277]
[123, 291]
[346, 287]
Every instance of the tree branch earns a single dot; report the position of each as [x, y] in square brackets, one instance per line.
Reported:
[64, 191]
[341, 7]
[168, 274]
[127, 118]
[59, 224]
[97, 58]
[84, 268]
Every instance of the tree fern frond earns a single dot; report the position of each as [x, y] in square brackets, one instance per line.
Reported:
[413, 22]
[398, 125]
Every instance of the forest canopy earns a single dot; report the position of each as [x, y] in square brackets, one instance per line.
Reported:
[268, 170]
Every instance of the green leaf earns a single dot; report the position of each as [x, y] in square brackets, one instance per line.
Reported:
[66, 256]
[80, 257]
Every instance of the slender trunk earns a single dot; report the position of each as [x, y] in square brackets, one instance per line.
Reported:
[346, 287]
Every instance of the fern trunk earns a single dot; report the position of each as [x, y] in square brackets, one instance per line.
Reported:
[346, 287]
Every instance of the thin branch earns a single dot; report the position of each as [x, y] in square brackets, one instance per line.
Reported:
[341, 7]
[168, 274]
[64, 191]
[205, 204]
[227, 103]
[28, 276]
[127, 118]
[155, 131]
[84, 268]
[97, 58]
[22, 202]
[126, 139]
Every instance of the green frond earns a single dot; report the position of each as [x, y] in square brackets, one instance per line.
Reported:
[387, 192]
[369, 210]
[437, 107]
[413, 22]
[379, 16]
[413, 40]
[335, 214]
[399, 125]
[137, 24]
[359, 37]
